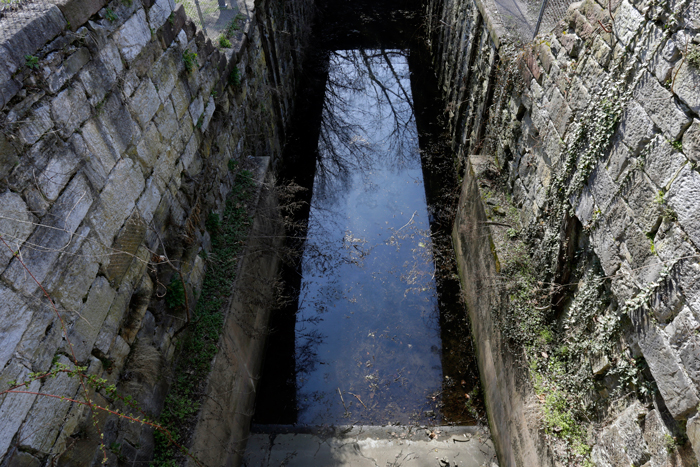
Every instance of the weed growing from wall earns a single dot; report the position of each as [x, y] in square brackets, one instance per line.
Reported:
[199, 345]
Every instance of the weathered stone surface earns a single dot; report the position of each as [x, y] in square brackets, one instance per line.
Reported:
[682, 198]
[15, 316]
[148, 148]
[45, 419]
[691, 141]
[159, 13]
[620, 161]
[164, 168]
[91, 315]
[675, 387]
[209, 112]
[197, 108]
[661, 107]
[16, 224]
[37, 25]
[644, 200]
[117, 126]
[100, 75]
[68, 69]
[166, 120]
[39, 122]
[117, 200]
[145, 102]
[663, 162]
[54, 234]
[56, 174]
[687, 86]
[149, 200]
[72, 285]
[627, 22]
[14, 407]
[133, 36]
[101, 155]
[166, 70]
[77, 12]
[181, 99]
[636, 128]
[70, 109]
[602, 187]
[693, 432]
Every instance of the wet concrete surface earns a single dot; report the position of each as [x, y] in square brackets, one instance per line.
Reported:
[371, 446]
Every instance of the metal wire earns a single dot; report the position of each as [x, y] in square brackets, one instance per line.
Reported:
[551, 12]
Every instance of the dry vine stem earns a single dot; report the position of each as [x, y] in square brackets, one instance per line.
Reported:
[15, 388]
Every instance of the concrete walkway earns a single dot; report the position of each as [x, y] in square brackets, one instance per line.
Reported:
[370, 446]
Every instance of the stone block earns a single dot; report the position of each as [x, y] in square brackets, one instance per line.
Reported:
[16, 224]
[77, 12]
[117, 200]
[69, 67]
[159, 13]
[644, 200]
[53, 235]
[15, 316]
[118, 128]
[693, 431]
[14, 407]
[682, 198]
[663, 162]
[171, 29]
[208, 113]
[620, 161]
[145, 102]
[628, 21]
[92, 167]
[100, 75]
[149, 200]
[56, 174]
[652, 38]
[138, 306]
[572, 44]
[133, 35]
[45, 419]
[661, 107]
[691, 141]
[687, 86]
[165, 169]
[585, 206]
[101, 155]
[38, 123]
[78, 270]
[677, 390]
[181, 98]
[91, 316]
[166, 70]
[578, 97]
[682, 328]
[110, 326]
[196, 108]
[130, 83]
[636, 128]
[166, 120]
[70, 109]
[602, 187]
[148, 149]
[36, 27]
[663, 62]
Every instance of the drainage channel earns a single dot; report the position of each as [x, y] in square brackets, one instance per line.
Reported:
[370, 360]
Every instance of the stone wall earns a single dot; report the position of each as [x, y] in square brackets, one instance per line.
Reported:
[115, 147]
[594, 132]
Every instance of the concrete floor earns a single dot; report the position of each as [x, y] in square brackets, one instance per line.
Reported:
[371, 446]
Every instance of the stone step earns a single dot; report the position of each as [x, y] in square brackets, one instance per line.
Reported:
[370, 446]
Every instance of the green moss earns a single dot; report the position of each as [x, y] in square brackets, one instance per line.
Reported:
[199, 345]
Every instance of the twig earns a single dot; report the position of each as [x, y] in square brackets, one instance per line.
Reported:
[342, 400]
[358, 398]
[409, 221]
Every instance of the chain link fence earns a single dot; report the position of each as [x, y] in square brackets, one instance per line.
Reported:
[551, 12]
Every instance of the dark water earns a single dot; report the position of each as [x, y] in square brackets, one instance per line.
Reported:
[374, 332]
[367, 332]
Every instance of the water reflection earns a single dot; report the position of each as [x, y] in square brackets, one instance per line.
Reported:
[367, 332]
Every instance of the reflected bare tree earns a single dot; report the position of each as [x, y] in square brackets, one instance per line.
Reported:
[363, 86]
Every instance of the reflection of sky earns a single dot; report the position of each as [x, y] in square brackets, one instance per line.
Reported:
[368, 320]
